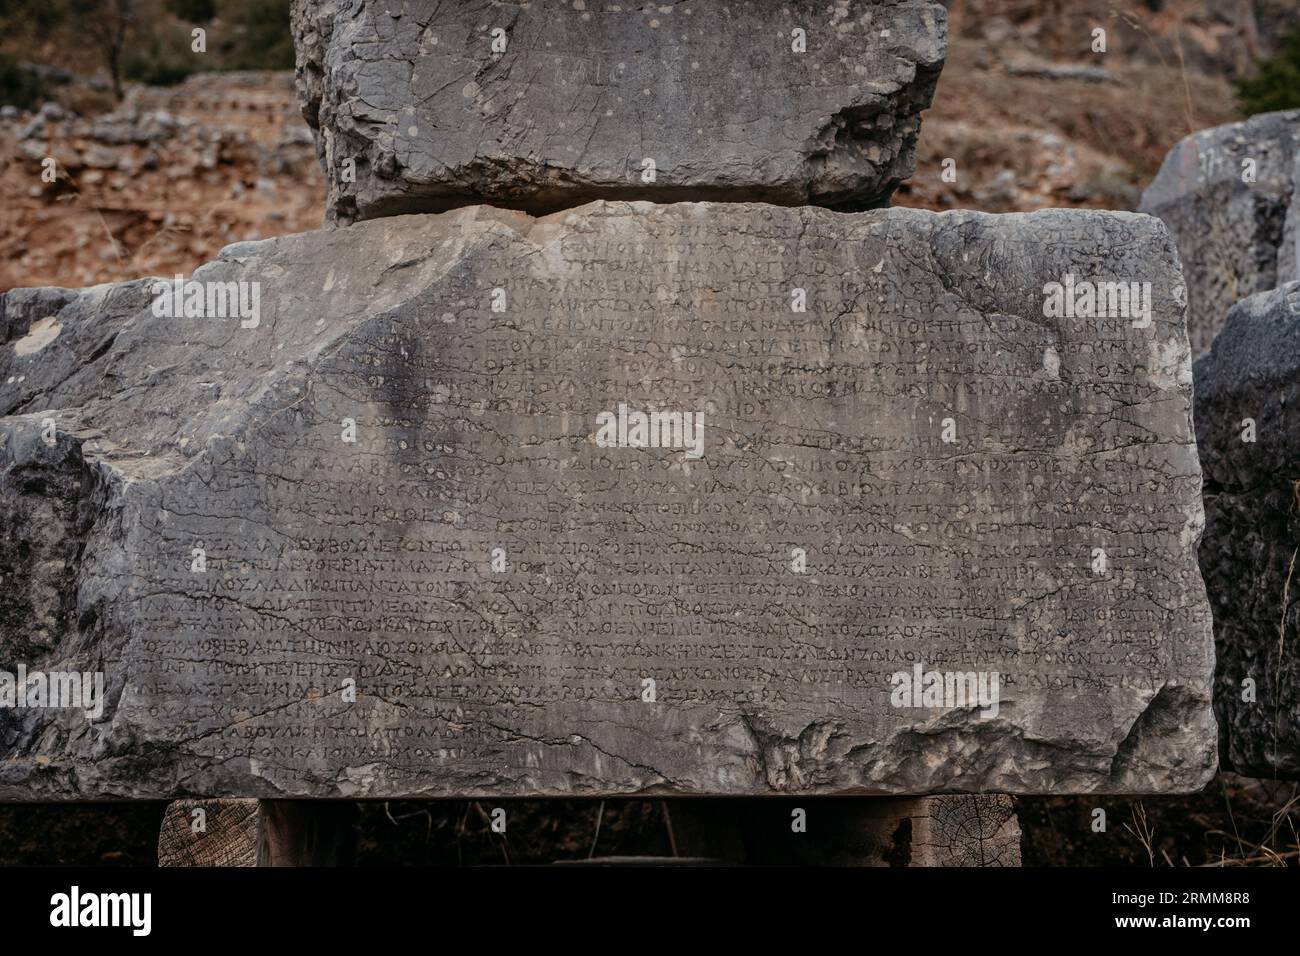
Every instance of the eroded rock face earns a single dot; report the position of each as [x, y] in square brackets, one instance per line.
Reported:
[1288, 256]
[1252, 531]
[421, 107]
[1229, 231]
[400, 479]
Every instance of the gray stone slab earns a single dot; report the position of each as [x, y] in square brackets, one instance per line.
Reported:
[1229, 230]
[1252, 531]
[416, 110]
[919, 472]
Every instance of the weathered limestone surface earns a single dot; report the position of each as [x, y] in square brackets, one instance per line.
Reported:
[583, 94]
[1229, 232]
[1288, 256]
[1252, 530]
[372, 561]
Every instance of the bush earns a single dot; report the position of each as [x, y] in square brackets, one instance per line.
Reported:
[20, 87]
[193, 11]
[161, 59]
[263, 38]
[1277, 84]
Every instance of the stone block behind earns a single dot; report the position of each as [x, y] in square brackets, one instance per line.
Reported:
[421, 106]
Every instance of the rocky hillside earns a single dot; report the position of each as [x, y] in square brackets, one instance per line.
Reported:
[1028, 113]
[1034, 117]
[156, 186]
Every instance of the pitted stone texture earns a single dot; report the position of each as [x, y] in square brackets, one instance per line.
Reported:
[583, 95]
[1229, 232]
[1288, 257]
[372, 561]
[1252, 530]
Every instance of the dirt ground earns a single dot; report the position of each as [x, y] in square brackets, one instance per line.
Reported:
[159, 186]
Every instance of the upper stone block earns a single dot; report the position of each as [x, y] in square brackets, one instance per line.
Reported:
[422, 107]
